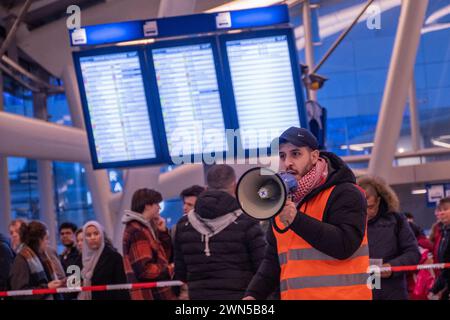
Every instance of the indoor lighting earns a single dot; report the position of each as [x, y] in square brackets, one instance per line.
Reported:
[418, 191]
[135, 42]
[358, 146]
[438, 142]
[243, 4]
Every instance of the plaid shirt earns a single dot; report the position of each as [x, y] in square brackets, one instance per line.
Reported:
[147, 259]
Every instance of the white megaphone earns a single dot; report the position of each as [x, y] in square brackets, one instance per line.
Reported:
[262, 193]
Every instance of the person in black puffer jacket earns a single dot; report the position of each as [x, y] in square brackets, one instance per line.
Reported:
[390, 237]
[218, 249]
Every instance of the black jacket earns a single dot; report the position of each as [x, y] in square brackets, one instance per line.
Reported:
[443, 281]
[339, 235]
[109, 270]
[72, 257]
[391, 239]
[236, 252]
[6, 260]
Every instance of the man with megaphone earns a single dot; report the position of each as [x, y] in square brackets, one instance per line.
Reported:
[317, 243]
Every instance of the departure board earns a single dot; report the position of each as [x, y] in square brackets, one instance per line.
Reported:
[263, 87]
[117, 107]
[190, 99]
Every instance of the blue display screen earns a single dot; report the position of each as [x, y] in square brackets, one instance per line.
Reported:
[190, 99]
[149, 104]
[265, 87]
[116, 108]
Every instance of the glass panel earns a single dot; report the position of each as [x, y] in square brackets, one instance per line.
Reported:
[58, 110]
[24, 191]
[432, 76]
[73, 199]
[357, 73]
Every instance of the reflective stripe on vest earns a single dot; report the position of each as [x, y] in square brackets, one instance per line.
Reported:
[313, 254]
[324, 281]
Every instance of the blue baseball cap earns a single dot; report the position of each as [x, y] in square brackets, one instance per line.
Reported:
[299, 137]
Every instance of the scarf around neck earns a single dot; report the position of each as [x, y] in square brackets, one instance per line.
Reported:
[90, 259]
[134, 216]
[310, 181]
[38, 265]
[210, 227]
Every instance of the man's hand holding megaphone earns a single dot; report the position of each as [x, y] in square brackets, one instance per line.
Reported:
[289, 212]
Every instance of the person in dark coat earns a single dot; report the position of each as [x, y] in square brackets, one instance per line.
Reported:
[6, 260]
[441, 287]
[102, 265]
[390, 238]
[217, 248]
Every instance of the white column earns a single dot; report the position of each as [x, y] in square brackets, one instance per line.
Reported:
[397, 84]
[309, 48]
[5, 190]
[46, 188]
[97, 180]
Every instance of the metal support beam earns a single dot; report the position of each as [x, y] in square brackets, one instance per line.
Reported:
[12, 32]
[309, 48]
[396, 90]
[18, 79]
[38, 81]
[341, 37]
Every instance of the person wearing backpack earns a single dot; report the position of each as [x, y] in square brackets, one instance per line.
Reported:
[390, 237]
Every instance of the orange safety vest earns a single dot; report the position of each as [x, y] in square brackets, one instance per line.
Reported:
[308, 274]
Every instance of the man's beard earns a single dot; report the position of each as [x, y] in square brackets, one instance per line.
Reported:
[298, 175]
[307, 169]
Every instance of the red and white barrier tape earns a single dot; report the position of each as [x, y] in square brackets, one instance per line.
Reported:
[415, 267]
[149, 285]
[110, 287]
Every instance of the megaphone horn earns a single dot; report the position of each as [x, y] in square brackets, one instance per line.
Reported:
[262, 193]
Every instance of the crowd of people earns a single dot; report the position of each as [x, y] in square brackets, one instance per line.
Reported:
[318, 247]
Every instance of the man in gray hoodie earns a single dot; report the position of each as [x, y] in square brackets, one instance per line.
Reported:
[217, 248]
